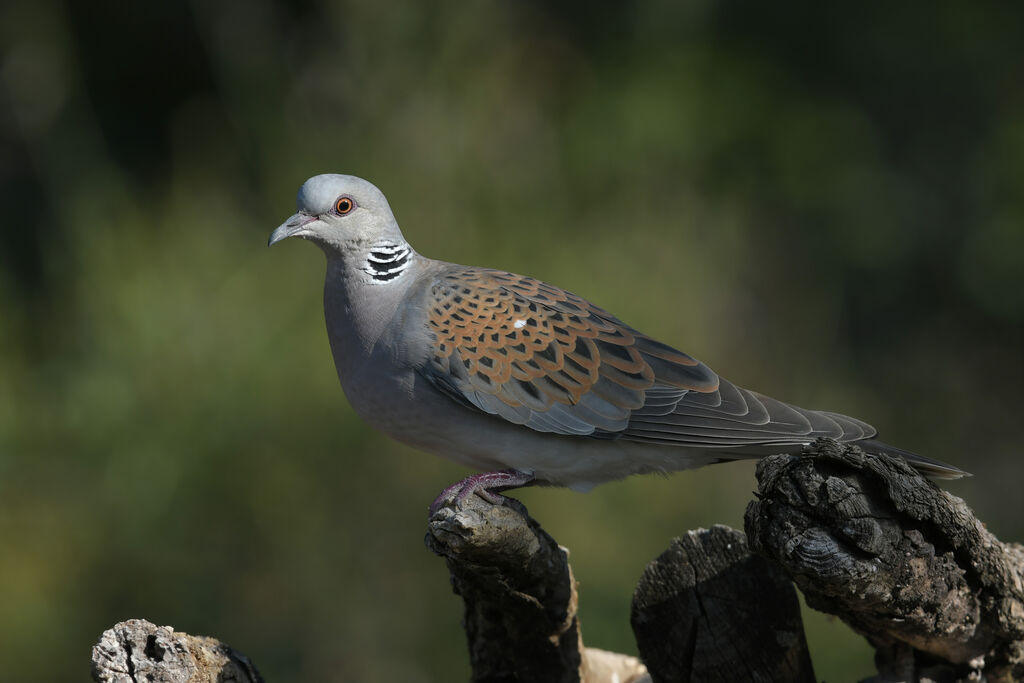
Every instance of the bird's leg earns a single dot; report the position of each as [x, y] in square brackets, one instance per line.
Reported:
[486, 485]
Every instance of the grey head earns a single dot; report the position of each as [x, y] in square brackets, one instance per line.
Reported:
[341, 214]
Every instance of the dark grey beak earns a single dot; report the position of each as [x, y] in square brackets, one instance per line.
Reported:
[293, 227]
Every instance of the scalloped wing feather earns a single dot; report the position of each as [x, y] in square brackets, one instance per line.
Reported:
[542, 357]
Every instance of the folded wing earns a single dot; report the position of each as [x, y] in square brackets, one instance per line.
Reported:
[539, 356]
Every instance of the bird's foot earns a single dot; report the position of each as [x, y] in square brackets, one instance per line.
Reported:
[486, 485]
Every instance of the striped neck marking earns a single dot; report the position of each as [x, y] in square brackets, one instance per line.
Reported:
[387, 260]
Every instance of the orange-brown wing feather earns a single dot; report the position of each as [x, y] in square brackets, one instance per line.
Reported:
[543, 357]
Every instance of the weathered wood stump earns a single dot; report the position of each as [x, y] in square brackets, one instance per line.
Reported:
[865, 537]
[708, 610]
[520, 598]
[903, 562]
[137, 650]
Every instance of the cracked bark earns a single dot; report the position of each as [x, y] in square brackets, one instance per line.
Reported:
[520, 598]
[137, 651]
[708, 610]
[903, 562]
[867, 538]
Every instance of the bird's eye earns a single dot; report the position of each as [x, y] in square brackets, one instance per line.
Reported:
[344, 205]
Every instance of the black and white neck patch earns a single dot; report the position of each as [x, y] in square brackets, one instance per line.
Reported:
[387, 260]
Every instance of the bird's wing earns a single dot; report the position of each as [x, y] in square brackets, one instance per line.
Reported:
[539, 356]
[740, 420]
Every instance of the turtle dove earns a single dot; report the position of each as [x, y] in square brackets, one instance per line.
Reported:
[520, 379]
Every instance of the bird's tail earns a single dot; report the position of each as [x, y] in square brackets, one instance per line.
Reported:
[931, 468]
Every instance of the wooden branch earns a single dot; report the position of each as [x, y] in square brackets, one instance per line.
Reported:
[900, 560]
[708, 610]
[520, 598]
[136, 650]
[865, 537]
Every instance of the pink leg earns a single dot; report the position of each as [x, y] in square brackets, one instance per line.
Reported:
[484, 485]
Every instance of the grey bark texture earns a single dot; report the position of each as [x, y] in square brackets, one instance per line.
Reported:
[708, 610]
[902, 561]
[520, 598]
[137, 651]
[865, 537]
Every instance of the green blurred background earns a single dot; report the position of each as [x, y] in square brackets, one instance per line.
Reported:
[822, 203]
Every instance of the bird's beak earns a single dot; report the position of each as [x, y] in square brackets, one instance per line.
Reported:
[296, 225]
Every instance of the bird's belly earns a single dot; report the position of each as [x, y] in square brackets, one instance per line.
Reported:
[411, 410]
[404, 410]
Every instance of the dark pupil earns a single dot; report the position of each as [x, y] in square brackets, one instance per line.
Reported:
[344, 205]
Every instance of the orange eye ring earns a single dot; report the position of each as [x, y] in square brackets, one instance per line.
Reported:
[344, 205]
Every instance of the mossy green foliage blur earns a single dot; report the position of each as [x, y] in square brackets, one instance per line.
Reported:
[822, 204]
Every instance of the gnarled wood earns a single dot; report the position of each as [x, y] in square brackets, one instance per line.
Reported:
[520, 598]
[136, 650]
[865, 537]
[902, 561]
[708, 610]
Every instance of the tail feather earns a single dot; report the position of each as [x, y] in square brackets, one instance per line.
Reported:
[932, 468]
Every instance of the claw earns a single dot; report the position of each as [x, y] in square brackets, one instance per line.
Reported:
[486, 485]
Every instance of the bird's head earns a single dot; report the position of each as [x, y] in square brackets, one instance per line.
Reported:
[338, 212]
